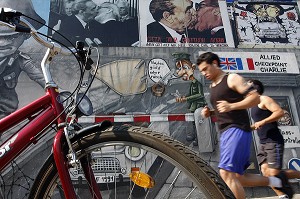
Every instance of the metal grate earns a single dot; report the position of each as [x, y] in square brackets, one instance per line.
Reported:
[105, 165]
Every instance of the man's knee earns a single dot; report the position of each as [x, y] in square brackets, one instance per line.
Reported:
[226, 174]
[264, 169]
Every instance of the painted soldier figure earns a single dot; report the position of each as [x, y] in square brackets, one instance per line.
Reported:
[195, 97]
[12, 61]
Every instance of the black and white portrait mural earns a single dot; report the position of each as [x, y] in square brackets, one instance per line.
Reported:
[97, 23]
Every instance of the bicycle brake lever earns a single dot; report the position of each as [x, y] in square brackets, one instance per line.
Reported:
[83, 55]
[12, 17]
[89, 63]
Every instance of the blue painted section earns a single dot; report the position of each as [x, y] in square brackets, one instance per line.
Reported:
[294, 164]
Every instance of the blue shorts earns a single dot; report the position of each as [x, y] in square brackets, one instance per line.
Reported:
[235, 145]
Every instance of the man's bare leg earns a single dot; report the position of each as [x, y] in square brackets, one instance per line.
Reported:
[233, 183]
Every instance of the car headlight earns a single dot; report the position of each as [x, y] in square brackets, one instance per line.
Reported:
[85, 106]
[134, 153]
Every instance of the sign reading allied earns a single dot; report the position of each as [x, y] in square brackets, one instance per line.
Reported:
[258, 62]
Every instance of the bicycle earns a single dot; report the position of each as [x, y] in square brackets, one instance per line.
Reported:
[86, 160]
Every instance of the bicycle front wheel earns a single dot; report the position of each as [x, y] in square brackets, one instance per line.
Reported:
[165, 167]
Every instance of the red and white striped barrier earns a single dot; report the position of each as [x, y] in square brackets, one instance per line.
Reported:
[188, 117]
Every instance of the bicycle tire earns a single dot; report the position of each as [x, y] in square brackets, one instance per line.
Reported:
[207, 181]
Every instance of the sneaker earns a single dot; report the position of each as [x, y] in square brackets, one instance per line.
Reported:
[286, 187]
[284, 197]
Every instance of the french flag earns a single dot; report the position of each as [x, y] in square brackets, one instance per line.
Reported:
[250, 63]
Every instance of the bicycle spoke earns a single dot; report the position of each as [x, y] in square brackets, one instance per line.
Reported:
[172, 184]
[133, 169]
[190, 193]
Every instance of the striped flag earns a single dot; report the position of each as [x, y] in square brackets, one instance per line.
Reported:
[250, 63]
[231, 63]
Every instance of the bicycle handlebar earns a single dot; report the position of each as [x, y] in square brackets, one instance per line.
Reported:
[12, 20]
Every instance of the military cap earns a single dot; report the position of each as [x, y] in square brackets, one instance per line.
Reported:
[26, 8]
[181, 55]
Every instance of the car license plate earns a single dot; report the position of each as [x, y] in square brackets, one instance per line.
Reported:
[105, 179]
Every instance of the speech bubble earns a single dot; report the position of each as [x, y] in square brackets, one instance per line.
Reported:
[157, 69]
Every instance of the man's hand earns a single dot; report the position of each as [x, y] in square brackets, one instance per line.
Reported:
[181, 99]
[223, 106]
[258, 125]
[205, 112]
[56, 27]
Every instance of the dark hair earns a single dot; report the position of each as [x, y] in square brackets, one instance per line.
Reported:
[208, 57]
[258, 85]
[158, 7]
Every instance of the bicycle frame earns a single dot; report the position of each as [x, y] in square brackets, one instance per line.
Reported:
[41, 114]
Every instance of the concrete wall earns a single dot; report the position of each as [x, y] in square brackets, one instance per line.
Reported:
[107, 97]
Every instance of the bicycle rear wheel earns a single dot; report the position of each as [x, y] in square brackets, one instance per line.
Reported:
[119, 152]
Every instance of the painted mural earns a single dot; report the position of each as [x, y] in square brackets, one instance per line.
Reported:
[161, 84]
[266, 24]
[101, 23]
[197, 22]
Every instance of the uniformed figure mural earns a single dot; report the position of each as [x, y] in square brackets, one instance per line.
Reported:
[195, 97]
[13, 61]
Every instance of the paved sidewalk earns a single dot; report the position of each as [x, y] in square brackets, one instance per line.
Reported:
[296, 196]
[268, 193]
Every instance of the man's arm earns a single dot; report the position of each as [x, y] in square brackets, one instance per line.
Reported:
[269, 104]
[238, 84]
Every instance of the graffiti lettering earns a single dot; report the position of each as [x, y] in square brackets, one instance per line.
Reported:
[217, 40]
[289, 140]
[287, 132]
[154, 39]
[171, 39]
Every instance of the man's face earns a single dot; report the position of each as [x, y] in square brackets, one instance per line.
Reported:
[208, 70]
[103, 13]
[69, 8]
[182, 16]
[123, 9]
[184, 69]
[10, 43]
[91, 11]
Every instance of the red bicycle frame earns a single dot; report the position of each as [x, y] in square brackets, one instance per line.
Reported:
[39, 115]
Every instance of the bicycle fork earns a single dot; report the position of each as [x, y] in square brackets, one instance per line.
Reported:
[62, 164]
